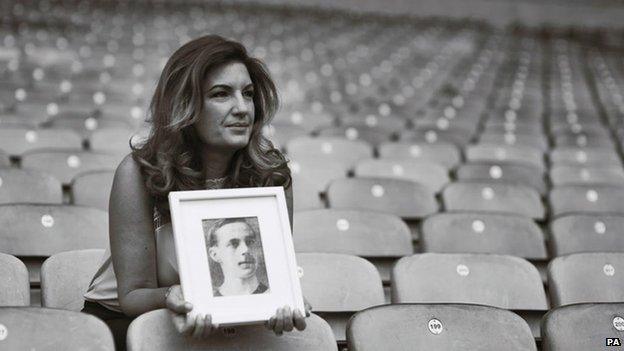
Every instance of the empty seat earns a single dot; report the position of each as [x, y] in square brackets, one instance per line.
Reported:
[281, 134]
[586, 233]
[65, 165]
[4, 159]
[505, 172]
[92, 189]
[111, 140]
[451, 327]
[66, 276]
[29, 186]
[576, 156]
[154, 331]
[430, 175]
[16, 142]
[583, 327]
[14, 286]
[371, 135]
[493, 197]
[403, 198]
[568, 175]
[338, 285]
[533, 140]
[483, 233]
[445, 154]
[586, 277]
[499, 153]
[29, 328]
[457, 136]
[342, 150]
[586, 199]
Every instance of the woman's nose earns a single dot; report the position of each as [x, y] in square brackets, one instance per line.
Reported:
[241, 104]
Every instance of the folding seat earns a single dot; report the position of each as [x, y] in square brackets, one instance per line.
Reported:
[431, 175]
[459, 137]
[586, 233]
[14, 286]
[388, 124]
[66, 276]
[33, 113]
[403, 198]
[86, 125]
[33, 232]
[586, 277]
[597, 198]
[281, 134]
[497, 153]
[581, 327]
[28, 186]
[451, 327]
[154, 331]
[339, 285]
[445, 154]
[371, 135]
[538, 141]
[66, 164]
[46, 329]
[111, 140]
[308, 120]
[590, 130]
[338, 149]
[493, 197]
[575, 156]
[583, 140]
[506, 172]
[569, 175]
[380, 238]
[494, 280]
[16, 142]
[92, 189]
[495, 126]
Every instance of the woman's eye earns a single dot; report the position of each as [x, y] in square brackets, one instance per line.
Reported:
[218, 94]
[248, 93]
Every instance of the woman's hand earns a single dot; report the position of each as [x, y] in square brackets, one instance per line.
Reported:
[285, 319]
[199, 327]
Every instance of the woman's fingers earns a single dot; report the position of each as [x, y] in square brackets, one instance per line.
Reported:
[279, 322]
[299, 320]
[181, 307]
[199, 327]
[308, 307]
[209, 328]
[288, 319]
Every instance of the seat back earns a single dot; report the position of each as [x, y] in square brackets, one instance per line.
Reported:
[92, 189]
[346, 151]
[66, 276]
[582, 327]
[494, 280]
[445, 154]
[586, 233]
[568, 175]
[524, 174]
[30, 328]
[65, 165]
[450, 327]
[581, 156]
[508, 153]
[568, 199]
[29, 186]
[586, 277]
[114, 140]
[16, 141]
[14, 285]
[154, 331]
[431, 175]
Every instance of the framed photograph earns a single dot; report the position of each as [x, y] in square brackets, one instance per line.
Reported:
[235, 253]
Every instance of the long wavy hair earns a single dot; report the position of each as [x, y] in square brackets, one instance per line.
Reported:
[170, 157]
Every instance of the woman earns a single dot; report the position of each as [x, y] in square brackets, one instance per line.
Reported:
[208, 110]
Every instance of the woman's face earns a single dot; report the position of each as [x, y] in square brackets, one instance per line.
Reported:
[228, 115]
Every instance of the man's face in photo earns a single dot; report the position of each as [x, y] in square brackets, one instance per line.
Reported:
[235, 250]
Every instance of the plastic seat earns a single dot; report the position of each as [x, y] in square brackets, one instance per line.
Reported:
[586, 233]
[451, 327]
[340, 150]
[281, 134]
[4, 159]
[483, 233]
[371, 135]
[459, 137]
[568, 175]
[66, 276]
[582, 327]
[575, 156]
[512, 139]
[92, 189]
[338, 285]
[445, 154]
[586, 277]
[499, 153]
[403, 198]
[14, 286]
[86, 125]
[45, 329]
[153, 331]
[431, 175]
[309, 120]
[28, 186]
[111, 140]
[583, 140]
[586, 199]
[65, 165]
[506, 172]
[493, 197]
[16, 141]
[380, 238]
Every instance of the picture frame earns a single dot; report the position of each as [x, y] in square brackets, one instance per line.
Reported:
[227, 242]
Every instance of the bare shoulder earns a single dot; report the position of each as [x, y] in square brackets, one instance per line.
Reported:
[128, 185]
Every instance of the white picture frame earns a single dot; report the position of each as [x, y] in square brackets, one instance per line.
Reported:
[192, 215]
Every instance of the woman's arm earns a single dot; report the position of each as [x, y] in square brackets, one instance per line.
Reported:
[132, 242]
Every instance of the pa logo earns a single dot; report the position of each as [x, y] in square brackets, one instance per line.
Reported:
[613, 342]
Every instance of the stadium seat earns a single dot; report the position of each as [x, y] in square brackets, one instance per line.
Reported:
[586, 277]
[14, 286]
[338, 285]
[451, 327]
[46, 329]
[4, 160]
[493, 197]
[341, 150]
[378, 237]
[511, 139]
[28, 186]
[586, 233]
[281, 134]
[371, 135]
[575, 156]
[568, 199]
[459, 136]
[445, 154]
[431, 175]
[582, 327]
[507, 153]
[403, 198]
[92, 189]
[16, 142]
[153, 331]
[65, 165]
[115, 141]
[567, 175]
[65, 277]
[524, 174]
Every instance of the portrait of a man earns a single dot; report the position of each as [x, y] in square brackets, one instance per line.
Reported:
[235, 256]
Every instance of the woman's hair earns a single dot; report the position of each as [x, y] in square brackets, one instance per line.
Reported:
[169, 157]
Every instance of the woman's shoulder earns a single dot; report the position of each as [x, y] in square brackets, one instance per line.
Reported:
[128, 173]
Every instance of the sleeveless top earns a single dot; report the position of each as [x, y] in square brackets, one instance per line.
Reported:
[103, 287]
